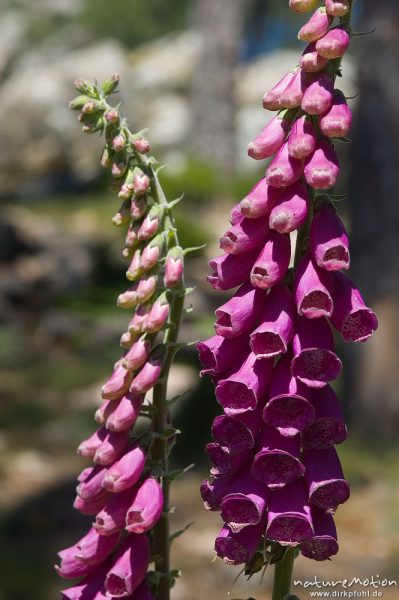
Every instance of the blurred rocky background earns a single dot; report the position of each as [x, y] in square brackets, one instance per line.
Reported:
[194, 73]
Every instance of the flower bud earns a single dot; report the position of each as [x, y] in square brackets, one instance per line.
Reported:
[104, 411]
[328, 240]
[78, 102]
[311, 288]
[146, 508]
[158, 315]
[291, 210]
[284, 170]
[303, 6]
[302, 139]
[106, 160]
[117, 385]
[122, 217]
[271, 100]
[137, 355]
[316, 27]
[174, 267]
[270, 139]
[273, 261]
[112, 116]
[110, 84]
[318, 96]
[128, 299]
[118, 169]
[142, 145]
[147, 377]
[119, 142]
[138, 208]
[126, 412]
[292, 95]
[134, 271]
[151, 223]
[338, 120]
[334, 44]
[127, 339]
[126, 471]
[260, 200]
[136, 324]
[337, 8]
[91, 107]
[152, 252]
[289, 519]
[84, 87]
[131, 237]
[322, 168]
[245, 236]
[311, 60]
[141, 183]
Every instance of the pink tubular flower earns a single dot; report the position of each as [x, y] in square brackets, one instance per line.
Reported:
[337, 8]
[260, 200]
[242, 390]
[328, 427]
[88, 552]
[324, 543]
[327, 487]
[311, 61]
[311, 288]
[174, 266]
[91, 507]
[322, 168]
[90, 483]
[240, 313]
[217, 354]
[245, 236]
[117, 384]
[303, 6]
[146, 508]
[271, 100]
[284, 170]
[329, 242]
[112, 517]
[292, 95]
[315, 362]
[269, 139]
[273, 261]
[302, 139]
[129, 568]
[137, 355]
[111, 448]
[336, 123]
[89, 447]
[289, 519]
[291, 209]
[318, 96]
[316, 27]
[288, 407]
[229, 271]
[334, 44]
[353, 319]
[272, 337]
[158, 315]
[236, 548]
[147, 377]
[126, 471]
[126, 413]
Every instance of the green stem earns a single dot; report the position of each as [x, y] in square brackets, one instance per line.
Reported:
[283, 575]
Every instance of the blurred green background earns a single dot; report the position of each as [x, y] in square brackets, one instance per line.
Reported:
[194, 73]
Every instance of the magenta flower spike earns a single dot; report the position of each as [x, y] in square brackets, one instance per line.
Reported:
[291, 210]
[328, 241]
[288, 407]
[337, 8]
[247, 235]
[311, 60]
[147, 377]
[146, 508]
[318, 97]
[322, 168]
[324, 478]
[129, 568]
[88, 447]
[328, 427]
[271, 100]
[303, 6]
[302, 139]
[237, 548]
[289, 519]
[293, 93]
[334, 44]
[126, 413]
[246, 505]
[315, 362]
[284, 170]
[270, 139]
[112, 517]
[274, 334]
[240, 313]
[316, 27]
[272, 263]
[242, 390]
[111, 448]
[278, 461]
[229, 270]
[90, 483]
[260, 200]
[237, 433]
[126, 471]
[351, 317]
[225, 463]
[117, 385]
[311, 288]
[336, 123]
[219, 354]
[323, 545]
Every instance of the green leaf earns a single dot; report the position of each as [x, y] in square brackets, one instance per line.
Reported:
[177, 534]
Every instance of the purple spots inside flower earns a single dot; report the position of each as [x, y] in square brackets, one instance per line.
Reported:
[359, 326]
[232, 435]
[133, 517]
[276, 468]
[236, 396]
[316, 366]
[289, 413]
[316, 304]
[336, 258]
[260, 277]
[228, 242]
[319, 547]
[267, 344]
[116, 586]
[232, 552]
[289, 529]
[329, 494]
[324, 433]
[238, 511]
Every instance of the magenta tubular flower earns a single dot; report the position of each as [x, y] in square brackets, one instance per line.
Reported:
[240, 313]
[111, 448]
[242, 390]
[284, 170]
[260, 200]
[126, 471]
[322, 168]
[336, 123]
[247, 235]
[289, 519]
[291, 210]
[112, 517]
[270, 138]
[271, 100]
[212, 493]
[324, 543]
[324, 478]
[117, 385]
[272, 263]
[126, 413]
[318, 97]
[328, 427]
[337, 8]
[229, 270]
[88, 588]
[302, 139]
[103, 411]
[329, 242]
[311, 288]
[237, 433]
[351, 317]
[91, 507]
[334, 44]
[272, 337]
[246, 505]
[237, 548]
[235, 214]
[146, 508]
[311, 61]
[147, 377]
[316, 27]
[303, 6]
[137, 354]
[91, 550]
[315, 362]
[225, 463]
[293, 93]
[88, 447]
[90, 483]
[278, 461]
[129, 568]
[288, 407]
[219, 354]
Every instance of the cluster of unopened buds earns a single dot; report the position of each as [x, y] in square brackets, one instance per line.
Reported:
[276, 475]
[122, 490]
